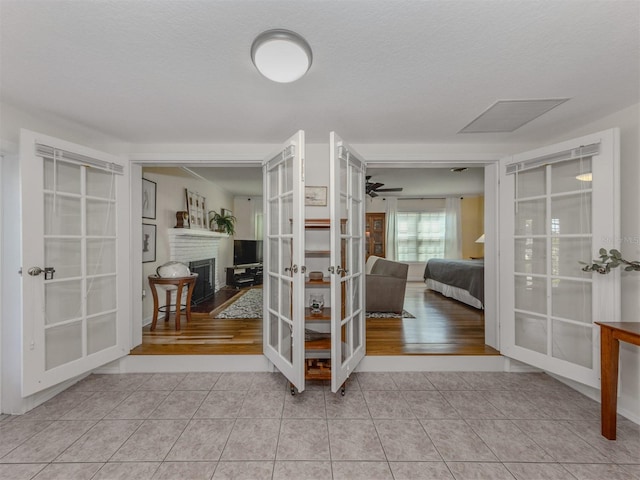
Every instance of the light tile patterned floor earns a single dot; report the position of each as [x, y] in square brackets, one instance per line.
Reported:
[412, 425]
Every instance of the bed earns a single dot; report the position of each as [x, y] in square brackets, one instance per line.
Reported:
[462, 280]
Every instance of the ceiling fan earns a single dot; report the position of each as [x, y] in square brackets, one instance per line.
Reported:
[373, 188]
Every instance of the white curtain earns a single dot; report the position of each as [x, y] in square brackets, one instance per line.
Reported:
[453, 228]
[392, 228]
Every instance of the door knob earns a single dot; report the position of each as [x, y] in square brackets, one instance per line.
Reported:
[35, 271]
[48, 272]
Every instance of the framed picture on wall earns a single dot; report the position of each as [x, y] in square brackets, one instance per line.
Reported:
[315, 196]
[148, 243]
[196, 209]
[148, 199]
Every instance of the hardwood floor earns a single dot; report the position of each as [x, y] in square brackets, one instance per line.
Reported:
[442, 327]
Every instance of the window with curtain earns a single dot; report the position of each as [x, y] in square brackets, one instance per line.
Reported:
[421, 235]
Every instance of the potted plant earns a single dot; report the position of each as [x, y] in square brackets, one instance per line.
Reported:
[224, 223]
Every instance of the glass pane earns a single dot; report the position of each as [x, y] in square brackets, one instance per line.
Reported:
[565, 255]
[571, 299]
[571, 214]
[287, 215]
[355, 294]
[101, 294]
[274, 256]
[273, 182]
[347, 304]
[530, 255]
[273, 293]
[287, 172]
[345, 350]
[531, 293]
[356, 184]
[531, 332]
[531, 183]
[343, 176]
[356, 218]
[101, 256]
[62, 344]
[286, 254]
[530, 217]
[64, 255]
[573, 343]
[100, 218]
[101, 333]
[274, 217]
[356, 258]
[101, 184]
[285, 299]
[357, 325]
[64, 218]
[273, 331]
[286, 341]
[564, 175]
[68, 177]
[63, 301]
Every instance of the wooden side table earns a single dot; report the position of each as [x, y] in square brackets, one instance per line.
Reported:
[178, 283]
[611, 333]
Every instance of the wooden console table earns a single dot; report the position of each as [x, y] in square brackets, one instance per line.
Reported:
[610, 335]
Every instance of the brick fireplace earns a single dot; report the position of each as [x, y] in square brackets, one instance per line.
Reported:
[192, 245]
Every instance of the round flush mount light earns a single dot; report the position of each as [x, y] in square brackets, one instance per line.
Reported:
[281, 55]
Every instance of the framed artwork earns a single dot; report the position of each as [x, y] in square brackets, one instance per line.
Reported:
[315, 196]
[148, 243]
[196, 209]
[148, 199]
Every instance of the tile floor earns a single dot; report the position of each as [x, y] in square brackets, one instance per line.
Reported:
[465, 425]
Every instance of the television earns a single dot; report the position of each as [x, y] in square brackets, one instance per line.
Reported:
[247, 252]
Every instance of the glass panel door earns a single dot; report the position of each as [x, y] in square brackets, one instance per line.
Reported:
[553, 224]
[347, 256]
[283, 327]
[74, 281]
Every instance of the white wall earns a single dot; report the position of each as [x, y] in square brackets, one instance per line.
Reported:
[170, 197]
[245, 209]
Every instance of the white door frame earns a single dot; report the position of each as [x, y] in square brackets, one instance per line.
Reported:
[488, 161]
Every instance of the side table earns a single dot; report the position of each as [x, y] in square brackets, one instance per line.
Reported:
[178, 283]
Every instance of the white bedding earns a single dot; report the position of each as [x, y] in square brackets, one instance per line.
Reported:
[454, 292]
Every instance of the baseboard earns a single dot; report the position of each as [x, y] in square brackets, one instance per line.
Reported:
[432, 363]
[191, 363]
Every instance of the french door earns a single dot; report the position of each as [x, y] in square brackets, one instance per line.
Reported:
[347, 206]
[559, 206]
[75, 267]
[283, 325]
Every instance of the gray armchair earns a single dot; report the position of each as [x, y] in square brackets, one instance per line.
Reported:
[386, 281]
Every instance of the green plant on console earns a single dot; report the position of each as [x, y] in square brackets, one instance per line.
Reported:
[610, 260]
[224, 223]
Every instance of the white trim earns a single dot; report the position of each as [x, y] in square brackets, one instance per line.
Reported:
[433, 363]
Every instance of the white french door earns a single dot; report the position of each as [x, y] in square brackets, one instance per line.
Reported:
[75, 266]
[283, 286]
[558, 206]
[347, 212]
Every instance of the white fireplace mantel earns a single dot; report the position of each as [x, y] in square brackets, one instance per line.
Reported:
[188, 245]
[193, 232]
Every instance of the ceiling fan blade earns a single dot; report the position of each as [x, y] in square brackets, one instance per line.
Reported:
[397, 189]
[376, 186]
[372, 194]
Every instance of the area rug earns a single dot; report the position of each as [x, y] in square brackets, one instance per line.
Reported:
[247, 305]
[404, 314]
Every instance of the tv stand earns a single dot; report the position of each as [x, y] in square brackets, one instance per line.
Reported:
[244, 275]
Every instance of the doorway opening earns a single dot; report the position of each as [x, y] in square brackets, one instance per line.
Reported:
[441, 325]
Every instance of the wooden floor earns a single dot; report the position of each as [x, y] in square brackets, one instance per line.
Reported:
[442, 327]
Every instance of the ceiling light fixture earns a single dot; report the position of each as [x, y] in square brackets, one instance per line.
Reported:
[281, 55]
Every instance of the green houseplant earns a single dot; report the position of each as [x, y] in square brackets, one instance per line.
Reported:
[610, 260]
[224, 223]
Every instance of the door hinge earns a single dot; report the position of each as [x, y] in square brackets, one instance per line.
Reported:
[20, 271]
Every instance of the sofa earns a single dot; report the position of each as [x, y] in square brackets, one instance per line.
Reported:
[385, 281]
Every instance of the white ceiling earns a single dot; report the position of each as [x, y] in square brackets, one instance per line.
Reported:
[383, 71]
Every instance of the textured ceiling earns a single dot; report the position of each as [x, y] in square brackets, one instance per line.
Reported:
[383, 71]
